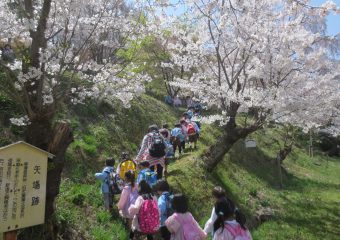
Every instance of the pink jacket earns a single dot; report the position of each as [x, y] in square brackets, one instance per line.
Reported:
[124, 201]
[175, 227]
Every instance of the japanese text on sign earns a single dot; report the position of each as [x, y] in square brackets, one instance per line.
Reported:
[23, 172]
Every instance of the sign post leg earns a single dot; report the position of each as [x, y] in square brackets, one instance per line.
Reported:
[12, 235]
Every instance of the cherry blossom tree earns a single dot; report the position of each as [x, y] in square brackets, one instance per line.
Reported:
[56, 65]
[257, 61]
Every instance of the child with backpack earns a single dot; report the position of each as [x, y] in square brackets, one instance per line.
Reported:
[197, 118]
[146, 174]
[105, 177]
[192, 132]
[126, 164]
[190, 112]
[165, 207]
[177, 138]
[182, 224]
[153, 150]
[145, 212]
[229, 224]
[166, 135]
[128, 196]
[219, 194]
[185, 116]
[165, 131]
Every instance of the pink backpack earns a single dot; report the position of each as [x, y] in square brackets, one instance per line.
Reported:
[189, 228]
[148, 216]
[237, 231]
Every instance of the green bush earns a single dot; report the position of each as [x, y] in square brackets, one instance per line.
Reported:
[78, 199]
[100, 233]
[90, 139]
[103, 217]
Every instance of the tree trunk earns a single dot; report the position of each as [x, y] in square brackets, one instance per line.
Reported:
[62, 138]
[279, 167]
[281, 155]
[231, 135]
[39, 131]
[56, 141]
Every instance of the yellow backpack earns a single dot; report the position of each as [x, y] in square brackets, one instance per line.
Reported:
[125, 166]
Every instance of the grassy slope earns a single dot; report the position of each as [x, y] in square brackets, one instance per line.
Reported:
[307, 208]
[101, 131]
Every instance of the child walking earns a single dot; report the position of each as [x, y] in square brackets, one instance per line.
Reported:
[230, 222]
[145, 212]
[177, 138]
[165, 207]
[104, 176]
[219, 194]
[182, 224]
[127, 197]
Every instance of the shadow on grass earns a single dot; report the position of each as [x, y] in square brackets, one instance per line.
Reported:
[255, 161]
[319, 217]
[302, 205]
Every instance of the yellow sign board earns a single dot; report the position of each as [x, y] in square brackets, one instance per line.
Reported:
[23, 173]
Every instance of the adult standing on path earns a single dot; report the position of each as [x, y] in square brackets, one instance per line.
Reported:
[153, 150]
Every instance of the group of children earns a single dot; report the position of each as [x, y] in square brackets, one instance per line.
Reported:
[186, 130]
[150, 208]
[145, 200]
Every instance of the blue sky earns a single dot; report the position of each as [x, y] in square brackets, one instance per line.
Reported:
[333, 21]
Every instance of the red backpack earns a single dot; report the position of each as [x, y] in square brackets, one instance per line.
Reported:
[191, 129]
[148, 216]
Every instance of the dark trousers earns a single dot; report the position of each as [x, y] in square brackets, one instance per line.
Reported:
[159, 171]
[166, 235]
[182, 145]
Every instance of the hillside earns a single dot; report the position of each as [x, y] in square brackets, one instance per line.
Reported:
[307, 208]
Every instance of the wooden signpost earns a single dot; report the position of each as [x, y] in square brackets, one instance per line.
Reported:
[23, 173]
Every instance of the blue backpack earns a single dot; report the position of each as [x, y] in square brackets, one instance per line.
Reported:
[113, 181]
[149, 176]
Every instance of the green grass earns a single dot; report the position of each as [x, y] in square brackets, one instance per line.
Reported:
[80, 214]
[307, 208]
[101, 131]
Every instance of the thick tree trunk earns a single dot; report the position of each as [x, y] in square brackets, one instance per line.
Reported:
[231, 135]
[62, 138]
[56, 141]
[39, 132]
[283, 153]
